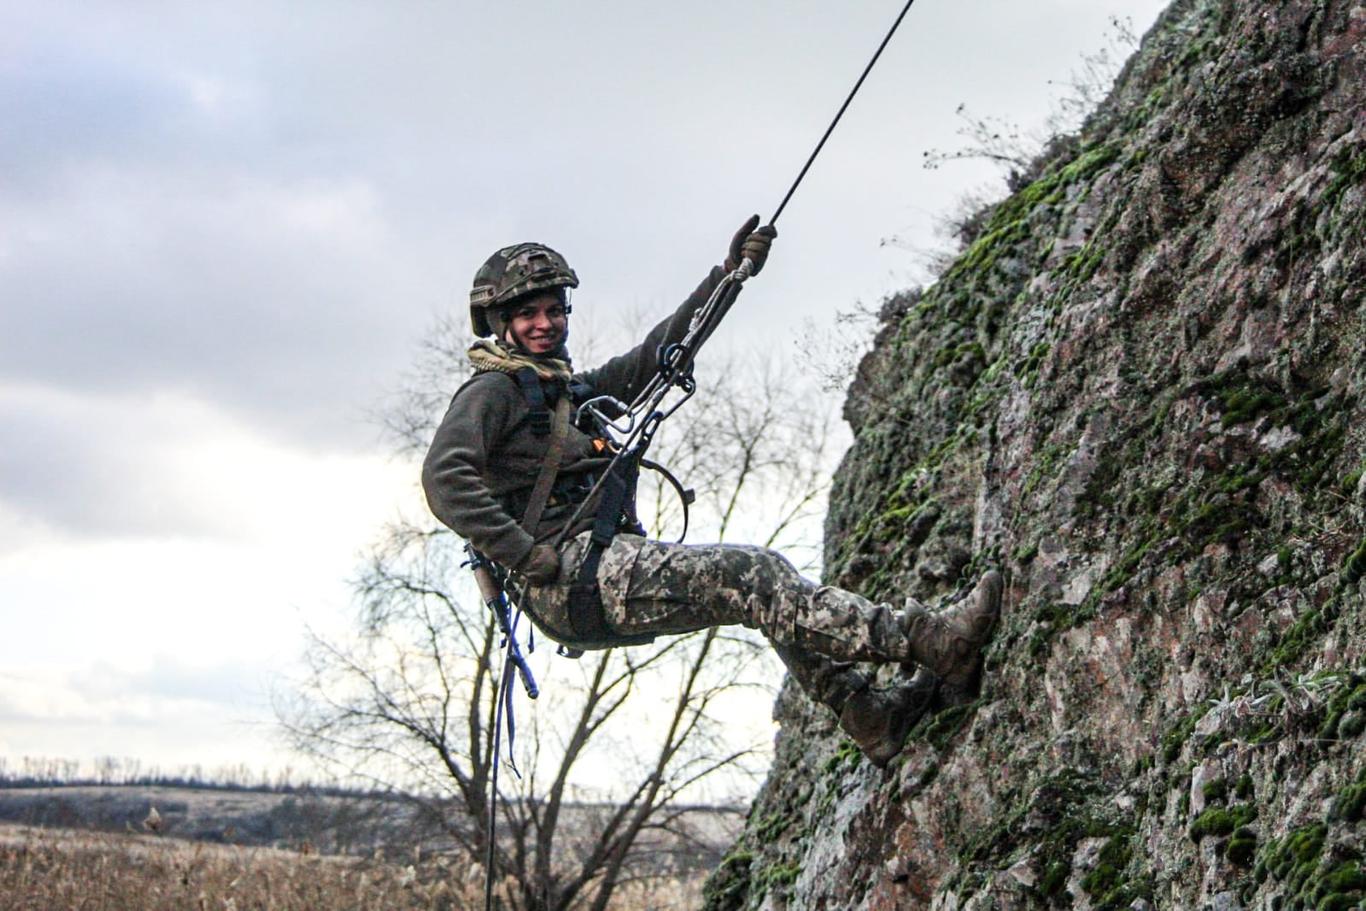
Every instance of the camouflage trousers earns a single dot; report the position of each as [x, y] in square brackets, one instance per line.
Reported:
[650, 588]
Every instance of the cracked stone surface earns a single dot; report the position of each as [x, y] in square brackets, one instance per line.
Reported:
[1140, 392]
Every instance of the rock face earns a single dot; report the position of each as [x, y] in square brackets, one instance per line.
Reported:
[1141, 391]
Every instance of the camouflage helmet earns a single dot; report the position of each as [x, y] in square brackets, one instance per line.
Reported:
[513, 272]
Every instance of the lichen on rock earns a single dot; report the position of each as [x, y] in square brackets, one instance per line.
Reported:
[1140, 391]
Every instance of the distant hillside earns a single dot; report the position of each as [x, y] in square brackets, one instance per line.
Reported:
[329, 823]
[1140, 391]
[323, 823]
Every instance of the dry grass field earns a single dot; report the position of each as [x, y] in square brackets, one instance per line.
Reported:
[53, 870]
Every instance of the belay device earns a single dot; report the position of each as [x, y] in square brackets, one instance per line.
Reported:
[636, 425]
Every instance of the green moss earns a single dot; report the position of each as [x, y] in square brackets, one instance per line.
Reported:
[1215, 790]
[1348, 169]
[846, 755]
[1220, 821]
[1088, 164]
[1343, 878]
[1080, 266]
[1244, 405]
[1244, 789]
[1344, 716]
[1008, 225]
[1056, 815]
[1124, 568]
[1051, 617]
[1060, 811]
[771, 826]
[1355, 565]
[1046, 465]
[777, 876]
[956, 353]
[1105, 882]
[1175, 739]
[1350, 482]
[1351, 724]
[938, 729]
[1223, 519]
[727, 888]
[1030, 364]
[1349, 803]
[1054, 878]
[1306, 631]
[1242, 846]
[1292, 859]
[1309, 876]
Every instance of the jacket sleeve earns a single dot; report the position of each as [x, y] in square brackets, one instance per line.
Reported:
[454, 470]
[626, 374]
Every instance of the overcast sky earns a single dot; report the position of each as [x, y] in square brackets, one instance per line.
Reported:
[225, 228]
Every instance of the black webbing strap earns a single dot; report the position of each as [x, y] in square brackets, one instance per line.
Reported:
[686, 495]
[538, 412]
[585, 599]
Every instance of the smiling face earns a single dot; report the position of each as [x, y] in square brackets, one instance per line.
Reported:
[539, 323]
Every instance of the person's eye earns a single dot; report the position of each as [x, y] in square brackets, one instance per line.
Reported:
[527, 313]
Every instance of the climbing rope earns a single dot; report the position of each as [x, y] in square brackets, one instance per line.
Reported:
[830, 129]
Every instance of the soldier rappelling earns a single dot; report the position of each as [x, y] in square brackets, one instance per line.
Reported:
[535, 465]
[538, 493]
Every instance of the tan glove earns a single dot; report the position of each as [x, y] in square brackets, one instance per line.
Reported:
[541, 565]
[750, 242]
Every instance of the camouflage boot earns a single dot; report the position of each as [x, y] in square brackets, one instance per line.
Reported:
[876, 718]
[879, 718]
[949, 643]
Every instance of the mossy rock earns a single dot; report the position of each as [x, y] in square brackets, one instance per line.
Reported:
[1242, 846]
[1222, 820]
[727, 889]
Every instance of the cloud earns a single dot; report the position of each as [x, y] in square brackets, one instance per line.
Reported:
[163, 465]
[92, 465]
[164, 712]
[279, 302]
[149, 692]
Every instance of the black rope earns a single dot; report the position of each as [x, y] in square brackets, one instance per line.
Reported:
[831, 128]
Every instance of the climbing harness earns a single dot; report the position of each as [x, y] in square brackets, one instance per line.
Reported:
[628, 429]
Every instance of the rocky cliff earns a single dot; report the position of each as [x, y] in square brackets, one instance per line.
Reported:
[1140, 390]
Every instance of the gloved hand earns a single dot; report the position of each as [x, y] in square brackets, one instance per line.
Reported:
[541, 565]
[751, 242]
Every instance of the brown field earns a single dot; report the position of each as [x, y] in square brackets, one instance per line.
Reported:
[54, 869]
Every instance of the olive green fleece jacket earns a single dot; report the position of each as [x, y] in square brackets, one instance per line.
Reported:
[485, 450]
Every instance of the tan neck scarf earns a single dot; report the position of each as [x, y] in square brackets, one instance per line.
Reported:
[488, 355]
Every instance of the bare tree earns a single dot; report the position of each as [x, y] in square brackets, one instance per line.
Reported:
[1013, 147]
[409, 701]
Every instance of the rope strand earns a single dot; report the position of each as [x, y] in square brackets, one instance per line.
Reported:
[830, 129]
